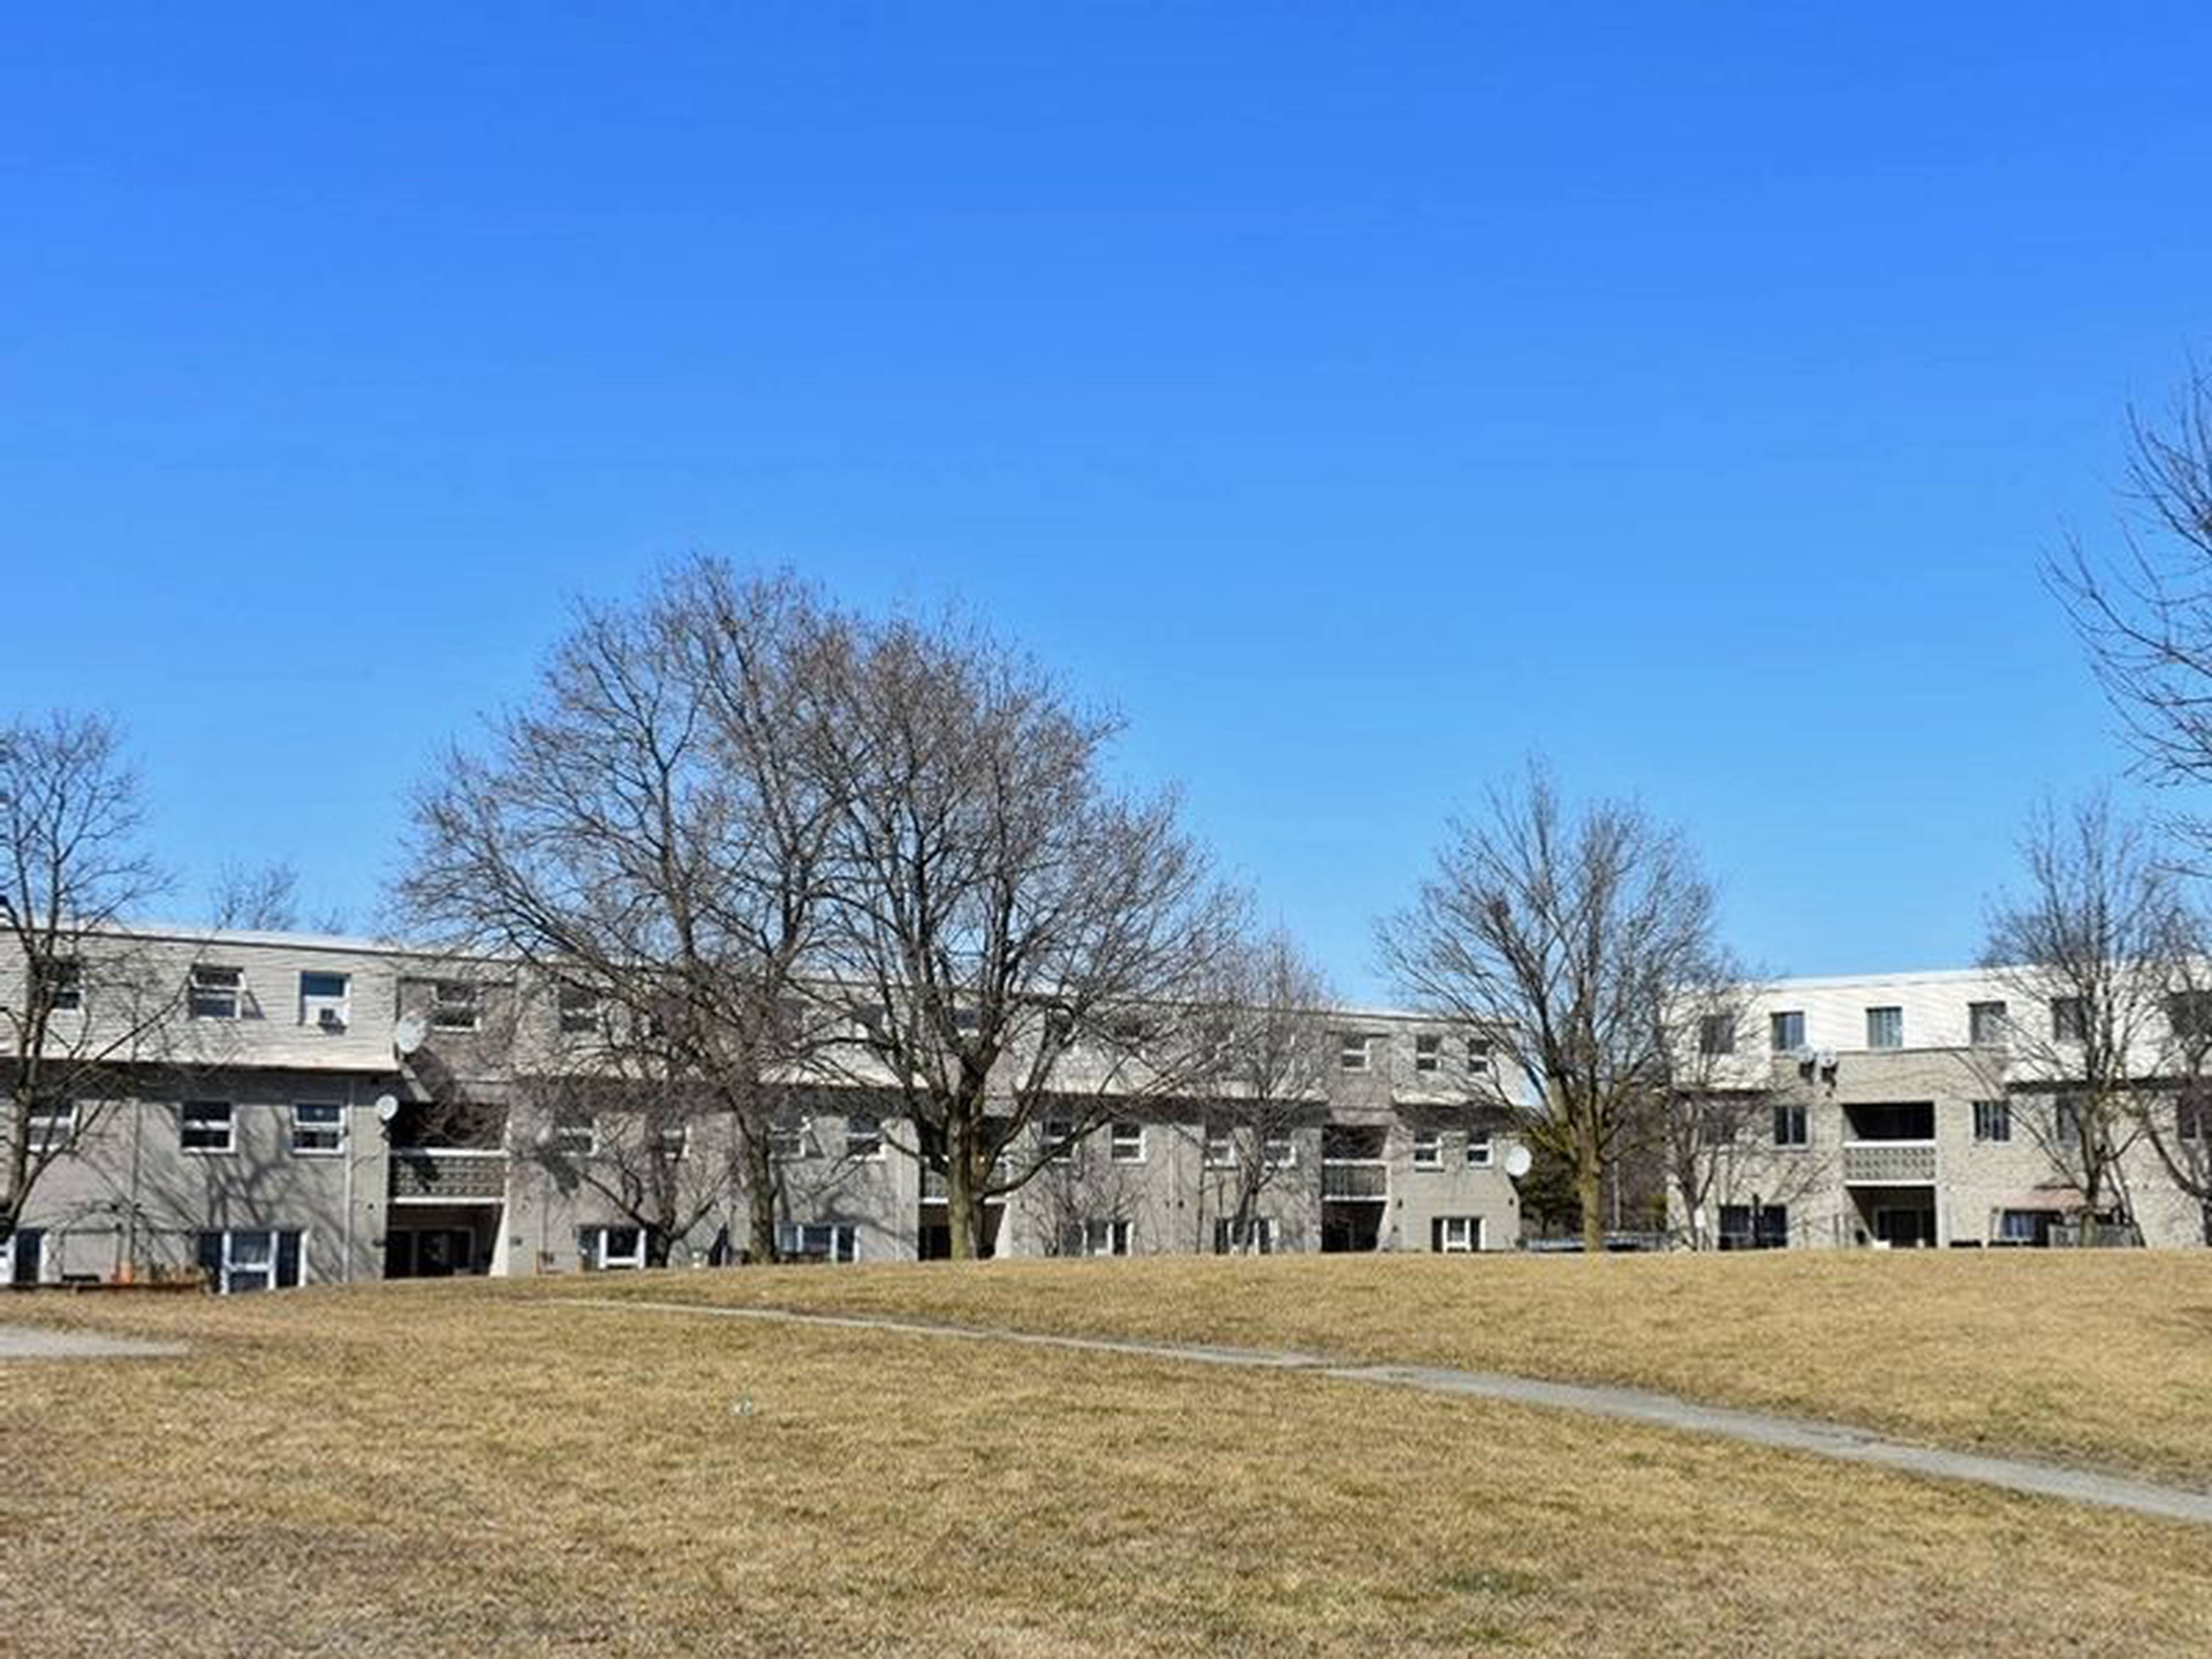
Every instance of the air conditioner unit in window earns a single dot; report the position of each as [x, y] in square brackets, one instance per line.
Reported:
[331, 1019]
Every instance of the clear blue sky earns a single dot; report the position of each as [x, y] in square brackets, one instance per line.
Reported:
[1360, 398]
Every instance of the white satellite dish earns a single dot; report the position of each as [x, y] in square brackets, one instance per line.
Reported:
[407, 1035]
[1518, 1161]
[387, 1108]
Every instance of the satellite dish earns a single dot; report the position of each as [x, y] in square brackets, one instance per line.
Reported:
[1518, 1161]
[1827, 1060]
[387, 1108]
[407, 1035]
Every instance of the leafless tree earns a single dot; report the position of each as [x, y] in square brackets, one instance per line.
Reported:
[85, 1001]
[1562, 931]
[1013, 938]
[645, 841]
[2145, 612]
[1705, 1119]
[2092, 956]
[1266, 1078]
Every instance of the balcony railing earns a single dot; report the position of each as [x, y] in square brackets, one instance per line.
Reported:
[1364, 1178]
[1889, 1163]
[433, 1174]
[934, 1189]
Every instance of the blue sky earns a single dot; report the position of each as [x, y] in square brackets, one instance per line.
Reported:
[1360, 398]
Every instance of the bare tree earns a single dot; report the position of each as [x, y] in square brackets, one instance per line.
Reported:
[1012, 937]
[645, 841]
[1266, 1078]
[2145, 613]
[265, 898]
[2091, 956]
[85, 1001]
[1704, 1118]
[1565, 932]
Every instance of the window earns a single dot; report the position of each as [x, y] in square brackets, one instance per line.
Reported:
[1478, 1056]
[1986, 1025]
[1059, 1138]
[1428, 1149]
[1126, 1142]
[2022, 1227]
[609, 1248]
[326, 1001]
[206, 1125]
[1456, 1235]
[2189, 1015]
[317, 1126]
[1256, 1237]
[1220, 1147]
[1992, 1121]
[1352, 1052]
[1477, 1149]
[1743, 1229]
[829, 1241]
[864, 1137]
[214, 992]
[2188, 1119]
[22, 1256]
[1279, 1148]
[1428, 1052]
[573, 1134]
[2066, 1122]
[1716, 1034]
[1097, 1238]
[1786, 1031]
[789, 1141]
[2069, 1019]
[1885, 1028]
[52, 1124]
[676, 1140]
[578, 1010]
[243, 1260]
[1790, 1128]
[63, 979]
[454, 1005]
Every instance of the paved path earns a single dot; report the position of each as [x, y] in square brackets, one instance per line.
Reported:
[44, 1342]
[1632, 1405]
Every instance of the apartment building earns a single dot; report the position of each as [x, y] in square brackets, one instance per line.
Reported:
[1919, 1110]
[318, 1110]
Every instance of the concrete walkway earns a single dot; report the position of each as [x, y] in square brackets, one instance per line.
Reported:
[1631, 1404]
[44, 1342]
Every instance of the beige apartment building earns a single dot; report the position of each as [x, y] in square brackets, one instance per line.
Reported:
[1922, 1110]
[317, 1109]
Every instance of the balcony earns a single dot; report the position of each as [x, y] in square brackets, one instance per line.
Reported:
[1889, 1163]
[1363, 1179]
[448, 1175]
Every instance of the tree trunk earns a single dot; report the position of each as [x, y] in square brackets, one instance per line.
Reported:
[1590, 1191]
[760, 1194]
[657, 1241]
[960, 1206]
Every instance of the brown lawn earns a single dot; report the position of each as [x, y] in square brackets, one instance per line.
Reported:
[463, 1469]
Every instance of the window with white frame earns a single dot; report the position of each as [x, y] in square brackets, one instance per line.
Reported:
[1279, 1148]
[864, 1137]
[2069, 1019]
[818, 1241]
[1992, 1121]
[2190, 1118]
[207, 1126]
[1456, 1235]
[1126, 1141]
[1986, 1025]
[1220, 1146]
[456, 1004]
[317, 1126]
[242, 1259]
[573, 1135]
[1057, 1135]
[1254, 1236]
[1785, 1031]
[325, 999]
[1477, 1149]
[51, 1124]
[213, 992]
[1885, 1027]
[1791, 1126]
[577, 1009]
[62, 979]
[1479, 1053]
[1098, 1237]
[1354, 1051]
[610, 1247]
[790, 1140]
[675, 1140]
[1428, 1052]
[1428, 1149]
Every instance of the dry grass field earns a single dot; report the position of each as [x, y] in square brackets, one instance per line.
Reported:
[470, 1468]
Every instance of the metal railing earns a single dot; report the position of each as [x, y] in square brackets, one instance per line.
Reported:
[435, 1174]
[1362, 1178]
[1889, 1163]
